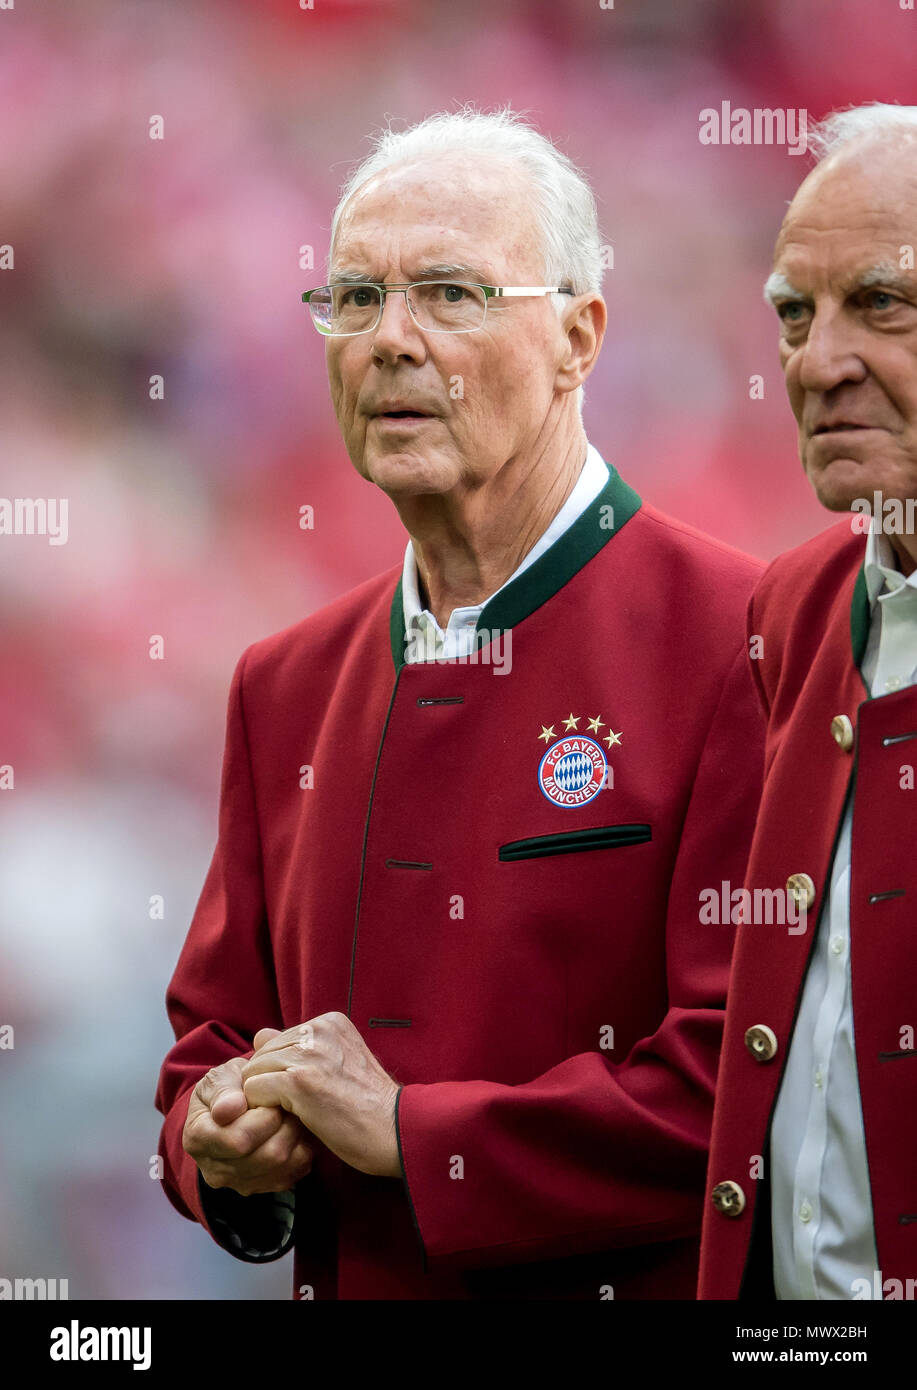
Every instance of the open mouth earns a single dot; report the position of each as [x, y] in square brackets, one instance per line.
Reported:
[405, 417]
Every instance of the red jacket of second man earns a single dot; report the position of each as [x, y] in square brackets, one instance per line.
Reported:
[811, 615]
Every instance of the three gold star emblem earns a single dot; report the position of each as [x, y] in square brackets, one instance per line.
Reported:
[572, 721]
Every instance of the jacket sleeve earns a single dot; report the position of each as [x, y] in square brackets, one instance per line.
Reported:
[223, 990]
[595, 1154]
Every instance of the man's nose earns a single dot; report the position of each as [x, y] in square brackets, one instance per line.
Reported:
[396, 334]
[830, 354]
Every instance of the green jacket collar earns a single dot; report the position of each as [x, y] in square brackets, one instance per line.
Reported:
[602, 519]
[860, 617]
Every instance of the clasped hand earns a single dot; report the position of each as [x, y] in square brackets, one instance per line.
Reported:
[251, 1121]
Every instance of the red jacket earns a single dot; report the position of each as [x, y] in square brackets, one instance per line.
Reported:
[811, 610]
[534, 974]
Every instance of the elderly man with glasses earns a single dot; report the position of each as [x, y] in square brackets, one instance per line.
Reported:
[447, 998]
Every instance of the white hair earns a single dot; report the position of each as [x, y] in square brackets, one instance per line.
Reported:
[564, 204]
[874, 118]
[880, 119]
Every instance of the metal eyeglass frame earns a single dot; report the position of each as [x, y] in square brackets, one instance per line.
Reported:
[490, 292]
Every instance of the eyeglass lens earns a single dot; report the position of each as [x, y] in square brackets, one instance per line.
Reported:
[441, 306]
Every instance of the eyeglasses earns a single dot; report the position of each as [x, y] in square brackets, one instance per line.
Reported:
[436, 306]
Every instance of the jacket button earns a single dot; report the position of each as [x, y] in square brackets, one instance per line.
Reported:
[728, 1198]
[842, 732]
[802, 889]
[761, 1042]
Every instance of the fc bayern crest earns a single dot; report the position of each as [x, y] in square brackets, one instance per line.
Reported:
[572, 771]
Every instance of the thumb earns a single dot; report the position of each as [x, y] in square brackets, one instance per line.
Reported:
[227, 1099]
[263, 1036]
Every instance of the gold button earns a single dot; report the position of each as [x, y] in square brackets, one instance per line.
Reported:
[842, 732]
[761, 1042]
[802, 889]
[728, 1198]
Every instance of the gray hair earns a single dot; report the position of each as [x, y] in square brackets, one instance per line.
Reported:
[874, 118]
[564, 203]
[825, 138]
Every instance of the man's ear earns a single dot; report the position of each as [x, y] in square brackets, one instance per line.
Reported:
[584, 324]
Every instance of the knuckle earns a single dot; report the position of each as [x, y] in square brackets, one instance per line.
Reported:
[301, 1160]
[276, 1151]
[194, 1138]
[234, 1145]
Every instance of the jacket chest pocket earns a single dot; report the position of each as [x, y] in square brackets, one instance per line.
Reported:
[574, 842]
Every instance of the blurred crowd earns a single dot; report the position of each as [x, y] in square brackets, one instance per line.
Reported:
[181, 258]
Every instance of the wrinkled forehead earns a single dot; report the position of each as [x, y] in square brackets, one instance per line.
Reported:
[455, 208]
[858, 205]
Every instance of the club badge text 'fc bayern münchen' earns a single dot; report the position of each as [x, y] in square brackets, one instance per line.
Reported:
[574, 768]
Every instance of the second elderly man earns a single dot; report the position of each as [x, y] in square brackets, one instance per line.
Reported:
[813, 1172]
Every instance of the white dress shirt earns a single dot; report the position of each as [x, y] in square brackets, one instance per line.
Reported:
[821, 1208]
[425, 639]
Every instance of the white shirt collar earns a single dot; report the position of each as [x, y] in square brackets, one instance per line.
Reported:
[593, 477]
[881, 571]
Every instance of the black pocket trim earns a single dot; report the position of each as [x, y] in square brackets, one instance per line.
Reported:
[572, 841]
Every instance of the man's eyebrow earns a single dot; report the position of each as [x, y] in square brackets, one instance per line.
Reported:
[884, 273]
[348, 277]
[454, 272]
[443, 271]
[777, 288]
